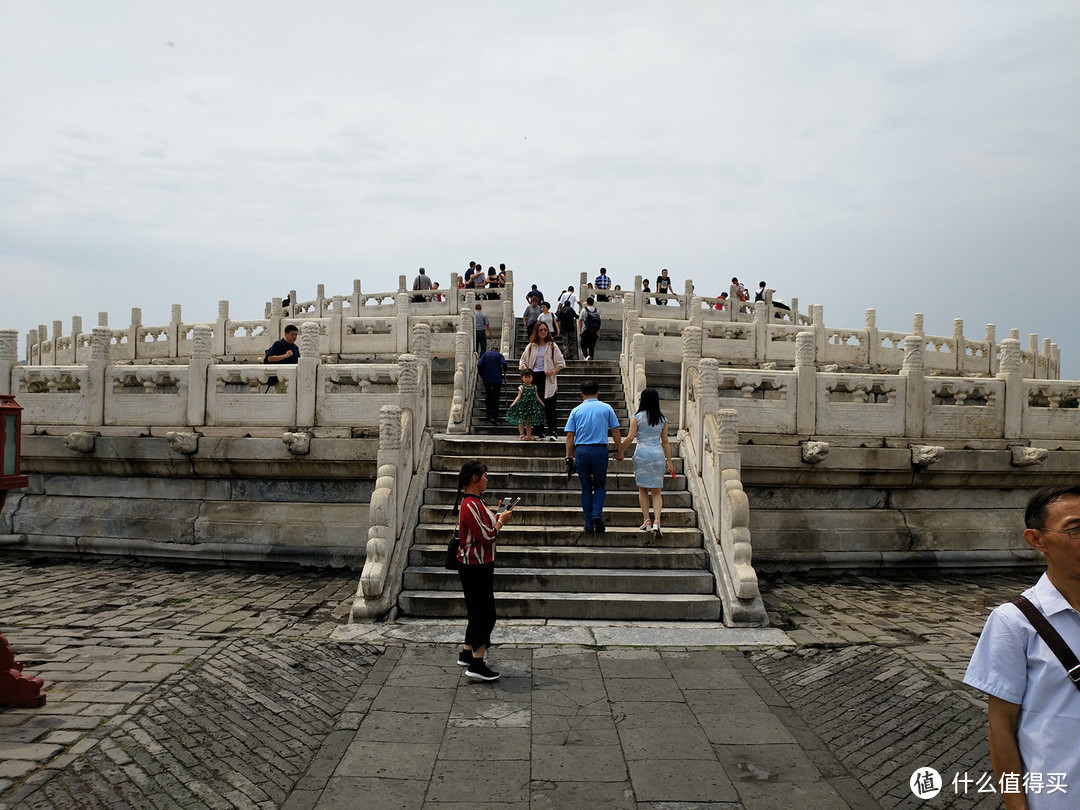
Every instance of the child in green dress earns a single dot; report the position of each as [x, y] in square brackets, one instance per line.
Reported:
[526, 410]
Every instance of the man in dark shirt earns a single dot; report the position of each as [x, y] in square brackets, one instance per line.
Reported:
[663, 285]
[283, 352]
[492, 366]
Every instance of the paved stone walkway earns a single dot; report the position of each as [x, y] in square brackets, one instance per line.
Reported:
[182, 687]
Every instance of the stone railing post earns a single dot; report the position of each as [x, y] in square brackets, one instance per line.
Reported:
[506, 333]
[57, 333]
[708, 401]
[727, 457]
[354, 299]
[731, 311]
[795, 311]
[638, 380]
[32, 343]
[821, 338]
[320, 300]
[402, 284]
[337, 323]
[691, 359]
[805, 384]
[917, 324]
[761, 331]
[307, 374]
[9, 358]
[293, 311]
[914, 371]
[631, 326]
[1033, 350]
[221, 330]
[133, 333]
[688, 295]
[960, 343]
[401, 322]
[382, 509]
[409, 367]
[420, 346]
[172, 335]
[639, 299]
[45, 358]
[199, 374]
[873, 340]
[95, 375]
[1010, 372]
[697, 314]
[76, 330]
[1047, 358]
[991, 349]
[463, 358]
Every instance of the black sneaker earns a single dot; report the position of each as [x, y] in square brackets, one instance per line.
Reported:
[479, 671]
[598, 526]
[464, 658]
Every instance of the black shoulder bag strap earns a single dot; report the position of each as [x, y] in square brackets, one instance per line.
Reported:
[1052, 638]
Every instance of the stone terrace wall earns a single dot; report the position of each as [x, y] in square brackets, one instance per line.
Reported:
[852, 465]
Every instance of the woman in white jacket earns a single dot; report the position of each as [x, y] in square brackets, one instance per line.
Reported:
[545, 360]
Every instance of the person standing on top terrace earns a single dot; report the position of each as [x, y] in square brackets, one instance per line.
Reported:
[603, 282]
[663, 285]
[421, 282]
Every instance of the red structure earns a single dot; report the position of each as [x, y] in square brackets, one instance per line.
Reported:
[17, 690]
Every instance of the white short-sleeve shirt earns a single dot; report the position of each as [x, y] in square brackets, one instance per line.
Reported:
[1012, 662]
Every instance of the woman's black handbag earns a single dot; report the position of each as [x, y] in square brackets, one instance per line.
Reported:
[451, 563]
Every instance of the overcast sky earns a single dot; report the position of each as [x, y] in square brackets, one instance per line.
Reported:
[906, 156]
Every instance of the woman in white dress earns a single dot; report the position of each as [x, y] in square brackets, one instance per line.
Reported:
[652, 457]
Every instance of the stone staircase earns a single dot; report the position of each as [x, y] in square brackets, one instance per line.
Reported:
[548, 566]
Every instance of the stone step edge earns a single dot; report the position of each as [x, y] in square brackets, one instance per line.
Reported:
[571, 596]
[632, 573]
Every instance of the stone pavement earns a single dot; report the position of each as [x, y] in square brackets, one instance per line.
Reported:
[188, 687]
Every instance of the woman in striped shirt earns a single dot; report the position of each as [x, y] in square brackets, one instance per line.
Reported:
[477, 530]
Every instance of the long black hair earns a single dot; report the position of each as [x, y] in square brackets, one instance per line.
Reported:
[650, 404]
[469, 471]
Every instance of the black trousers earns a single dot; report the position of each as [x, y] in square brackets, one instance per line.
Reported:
[542, 384]
[492, 392]
[588, 343]
[481, 341]
[478, 586]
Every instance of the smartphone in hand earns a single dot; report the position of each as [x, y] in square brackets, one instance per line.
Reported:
[507, 503]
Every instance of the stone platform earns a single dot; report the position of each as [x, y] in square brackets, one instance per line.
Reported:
[200, 687]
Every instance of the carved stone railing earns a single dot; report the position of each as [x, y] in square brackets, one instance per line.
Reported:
[759, 338]
[404, 458]
[367, 326]
[710, 450]
[912, 404]
[464, 370]
[204, 394]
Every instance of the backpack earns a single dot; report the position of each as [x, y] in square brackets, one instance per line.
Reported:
[590, 319]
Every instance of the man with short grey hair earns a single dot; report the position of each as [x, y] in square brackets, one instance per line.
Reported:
[421, 282]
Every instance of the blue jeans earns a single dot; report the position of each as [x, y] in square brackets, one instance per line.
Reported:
[592, 461]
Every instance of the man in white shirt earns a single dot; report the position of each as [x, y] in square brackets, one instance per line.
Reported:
[1034, 706]
[568, 295]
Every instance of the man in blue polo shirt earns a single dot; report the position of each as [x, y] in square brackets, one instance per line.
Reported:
[586, 443]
